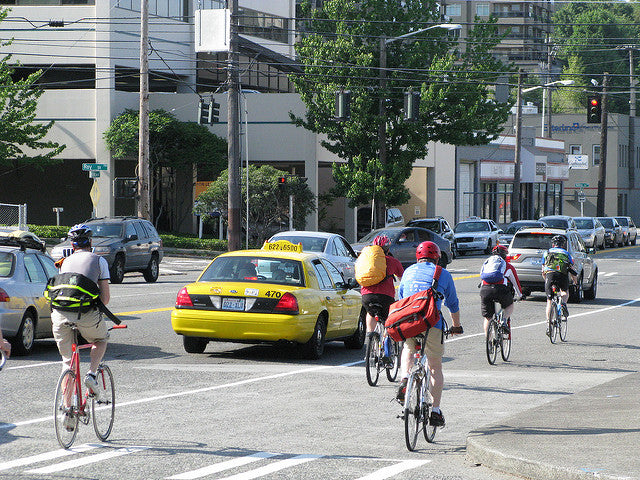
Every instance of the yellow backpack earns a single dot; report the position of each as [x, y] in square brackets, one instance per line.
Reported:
[371, 266]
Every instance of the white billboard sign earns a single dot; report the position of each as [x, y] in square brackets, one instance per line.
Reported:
[212, 29]
[578, 162]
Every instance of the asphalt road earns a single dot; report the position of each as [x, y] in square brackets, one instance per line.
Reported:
[243, 412]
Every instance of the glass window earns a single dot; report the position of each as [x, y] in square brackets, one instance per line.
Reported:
[482, 10]
[6, 264]
[323, 276]
[335, 274]
[309, 244]
[575, 149]
[139, 230]
[49, 266]
[423, 236]
[596, 154]
[129, 230]
[454, 10]
[341, 250]
[532, 240]
[254, 270]
[35, 271]
[106, 229]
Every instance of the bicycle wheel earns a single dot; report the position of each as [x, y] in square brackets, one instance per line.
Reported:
[103, 407]
[372, 365]
[505, 345]
[66, 407]
[553, 323]
[428, 429]
[412, 412]
[562, 327]
[492, 342]
[392, 371]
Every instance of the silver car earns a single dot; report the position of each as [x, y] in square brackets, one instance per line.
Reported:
[525, 254]
[613, 235]
[591, 231]
[331, 246]
[629, 229]
[476, 235]
[25, 269]
[506, 237]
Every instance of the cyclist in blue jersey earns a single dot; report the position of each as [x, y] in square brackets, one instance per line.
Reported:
[416, 278]
[557, 265]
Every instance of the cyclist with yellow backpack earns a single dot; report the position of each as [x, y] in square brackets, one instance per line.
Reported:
[557, 265]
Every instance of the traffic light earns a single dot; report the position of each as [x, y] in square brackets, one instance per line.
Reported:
[343, 105]
[203, 113]
[282, 181]
[594, 109]
[411, 106]
[214, 112]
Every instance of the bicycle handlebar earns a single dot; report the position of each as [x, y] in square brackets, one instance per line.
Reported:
[122, 325]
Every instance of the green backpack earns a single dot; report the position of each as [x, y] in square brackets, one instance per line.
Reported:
[558, 262]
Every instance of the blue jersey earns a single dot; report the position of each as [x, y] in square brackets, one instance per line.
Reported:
[419, 277]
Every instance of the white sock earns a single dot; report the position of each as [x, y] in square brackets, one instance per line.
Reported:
[436, 409]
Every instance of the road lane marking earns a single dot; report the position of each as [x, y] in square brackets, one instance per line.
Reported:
[222, 466]
[42, 457]
[273, 467]
[80, 462]
[393, 470]
[138, 312]
[609, 274]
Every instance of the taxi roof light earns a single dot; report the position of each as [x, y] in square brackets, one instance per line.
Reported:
[183, 299]
[288, 304]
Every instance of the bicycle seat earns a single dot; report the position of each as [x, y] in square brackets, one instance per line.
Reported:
[376, 308]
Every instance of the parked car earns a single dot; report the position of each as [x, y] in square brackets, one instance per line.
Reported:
[564, 222]
[276, 294]
[477, 234]
[629, 229]
[436, 224]
[591, 231]
[525, 254]
[513, 227]
[404, 241]
[331, 246]
[612, 231]
[394, 219]
[129, 244]
[25, 269]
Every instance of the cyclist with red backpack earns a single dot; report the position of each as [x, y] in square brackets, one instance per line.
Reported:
[382, 292]
[417, 278]
[500, 283]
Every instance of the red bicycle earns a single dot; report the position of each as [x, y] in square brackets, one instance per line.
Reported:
[72, 406]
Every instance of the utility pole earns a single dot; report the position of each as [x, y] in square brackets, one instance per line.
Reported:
[632, 121]
[234, 233]
[547, 91]
[378, 209]
[602, 174]
[515, 196]
[144, 202]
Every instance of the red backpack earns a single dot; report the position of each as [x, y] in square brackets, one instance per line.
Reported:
[414, 314]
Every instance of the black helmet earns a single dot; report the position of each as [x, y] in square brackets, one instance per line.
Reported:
[559, 241]
[80, 235]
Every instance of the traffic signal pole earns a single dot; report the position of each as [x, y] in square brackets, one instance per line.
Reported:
[602, 173]
[234, 233]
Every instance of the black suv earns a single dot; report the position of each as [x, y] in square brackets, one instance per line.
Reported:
[436, 224]
[129, 244]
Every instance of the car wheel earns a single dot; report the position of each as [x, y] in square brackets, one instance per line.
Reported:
[152, 271]
[194, 344]
[590, 293]
[117, 270]
[577, 293]
[314, 348]
[356, 341]
[22, 344]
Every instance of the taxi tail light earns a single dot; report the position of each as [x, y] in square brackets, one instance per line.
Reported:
[288, 304]
[513, 257]
[3, 296]
[183, 299]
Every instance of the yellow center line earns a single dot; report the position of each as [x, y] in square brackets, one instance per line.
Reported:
[137, 312]
[467, 276]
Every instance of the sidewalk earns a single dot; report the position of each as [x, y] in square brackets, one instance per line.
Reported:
[594, 434]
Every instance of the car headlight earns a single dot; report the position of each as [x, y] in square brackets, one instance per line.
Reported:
[101, 250]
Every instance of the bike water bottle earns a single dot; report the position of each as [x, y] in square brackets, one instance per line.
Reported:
[387, 346]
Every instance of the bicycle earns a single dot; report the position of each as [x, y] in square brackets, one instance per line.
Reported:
[3, 359]
[377, 358]
[71, 405]
[418, 401]
[498, 333]
[558, 321]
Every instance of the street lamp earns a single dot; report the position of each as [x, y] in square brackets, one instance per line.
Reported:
[382, 127]
[544, 97]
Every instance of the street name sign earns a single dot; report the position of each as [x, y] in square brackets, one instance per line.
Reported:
[94, 166]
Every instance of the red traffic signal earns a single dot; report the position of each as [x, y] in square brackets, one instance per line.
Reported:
[594, 109]
[282, 180]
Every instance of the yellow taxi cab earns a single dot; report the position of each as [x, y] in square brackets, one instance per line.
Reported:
[275, 294]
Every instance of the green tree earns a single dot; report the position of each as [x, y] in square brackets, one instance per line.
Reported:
[340, 49]
[21, 138]
[173, 146]
[268, 201]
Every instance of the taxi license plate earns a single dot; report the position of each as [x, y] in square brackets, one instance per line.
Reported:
[235, 304]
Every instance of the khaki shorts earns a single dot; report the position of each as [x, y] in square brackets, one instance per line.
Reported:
[434, 346]
[90, 326]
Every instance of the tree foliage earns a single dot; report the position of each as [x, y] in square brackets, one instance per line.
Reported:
[21, 138]
[268, 201]
[341, 50]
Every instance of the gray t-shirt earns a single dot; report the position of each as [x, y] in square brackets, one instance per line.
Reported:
[88, 264]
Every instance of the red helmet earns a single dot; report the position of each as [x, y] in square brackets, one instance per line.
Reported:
[501, 250]
[428, 250]
[382, 241]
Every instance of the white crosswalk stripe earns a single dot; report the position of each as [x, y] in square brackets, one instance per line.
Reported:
[273, 467]
[43, 457]
[393, 470]
[87, 460]
[222, 466]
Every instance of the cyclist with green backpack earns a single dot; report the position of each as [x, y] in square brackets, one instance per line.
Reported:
[557, 265]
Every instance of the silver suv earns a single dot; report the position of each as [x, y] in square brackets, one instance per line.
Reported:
[129, 244]
[525, 254]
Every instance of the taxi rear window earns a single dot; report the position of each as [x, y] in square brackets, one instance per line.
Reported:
[255, 270]
[541, 241]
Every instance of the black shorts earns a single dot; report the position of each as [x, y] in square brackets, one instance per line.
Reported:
[561, 280]
[383, 300]
[489, 294]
